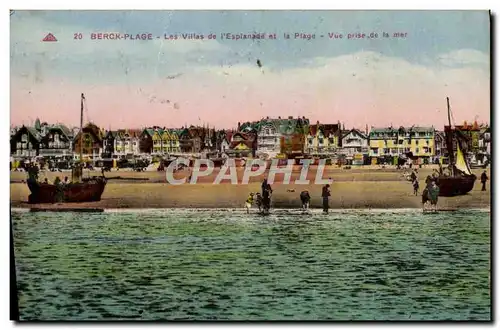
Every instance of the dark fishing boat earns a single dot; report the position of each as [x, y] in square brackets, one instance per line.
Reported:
[460, 179]
[77, 191]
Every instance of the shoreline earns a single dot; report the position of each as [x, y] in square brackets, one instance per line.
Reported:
[349, 190]
[253, 211]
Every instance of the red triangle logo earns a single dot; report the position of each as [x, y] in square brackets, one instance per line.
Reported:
[49, 37]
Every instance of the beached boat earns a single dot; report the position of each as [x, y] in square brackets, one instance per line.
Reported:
[77, 191]
[461, 180]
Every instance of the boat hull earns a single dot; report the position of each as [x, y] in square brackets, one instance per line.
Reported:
[87, 191]
[455, 186]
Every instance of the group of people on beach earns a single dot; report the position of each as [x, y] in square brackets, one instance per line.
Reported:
[263, 200]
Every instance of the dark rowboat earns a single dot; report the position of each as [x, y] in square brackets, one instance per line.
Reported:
[79, 191]
[454, 186]
[89, 190]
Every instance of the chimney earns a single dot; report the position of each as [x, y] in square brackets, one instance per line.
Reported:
[239, 124]
[279, 117]
[317, 122]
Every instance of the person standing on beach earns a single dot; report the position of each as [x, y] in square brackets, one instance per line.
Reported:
[415, 187]
[413, 176]
[325, 194]
[484, 178]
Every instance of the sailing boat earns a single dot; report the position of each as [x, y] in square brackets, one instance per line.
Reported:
[461, 180]
[79, 190]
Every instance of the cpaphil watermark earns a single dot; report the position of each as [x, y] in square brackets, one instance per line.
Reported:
[253, 168]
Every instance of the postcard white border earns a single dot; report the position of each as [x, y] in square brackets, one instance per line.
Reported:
[186, 4]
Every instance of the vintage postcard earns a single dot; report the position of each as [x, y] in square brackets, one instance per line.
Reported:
[250, 165]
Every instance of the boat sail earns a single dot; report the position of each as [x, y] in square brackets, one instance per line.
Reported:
[78, 190]
[461, 180]
[461, 164]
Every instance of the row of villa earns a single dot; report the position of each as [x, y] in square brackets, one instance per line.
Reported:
[267, 138]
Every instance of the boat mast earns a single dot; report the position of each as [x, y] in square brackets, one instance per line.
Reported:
[449, 139]
[81, 127]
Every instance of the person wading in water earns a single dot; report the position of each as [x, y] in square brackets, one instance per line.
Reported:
[266, 195]
[305, 198]
[249, 202]
[325, 194]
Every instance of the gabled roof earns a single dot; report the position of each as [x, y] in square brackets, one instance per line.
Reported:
[132, 133]
[285, 126]
[65, 130]
[325, 129]
[149, 131]
[159, 131]
[113, 134]
[418, 129]
[246, 143]
[93, 130]
[248, 126]
[354, 130]
[34, 132]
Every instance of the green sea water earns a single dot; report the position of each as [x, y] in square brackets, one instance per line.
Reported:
[223, 265]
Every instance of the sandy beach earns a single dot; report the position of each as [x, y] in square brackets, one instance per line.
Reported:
[351, 189]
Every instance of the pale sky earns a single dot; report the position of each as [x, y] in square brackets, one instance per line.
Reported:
[374, 82]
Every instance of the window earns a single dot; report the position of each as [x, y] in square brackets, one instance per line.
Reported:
[416, 134]
[310, 141]
[416, 142]
[375, 150]
[330, 140]
[430, 150]
[386, 150]
[427, 142]
[400, 142]
[416, 150]
[320, 140]
[24, 138]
